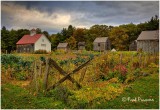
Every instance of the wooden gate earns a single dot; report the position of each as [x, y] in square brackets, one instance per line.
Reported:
[50, 63]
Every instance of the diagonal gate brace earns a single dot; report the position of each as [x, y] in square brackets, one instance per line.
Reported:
[66, 76]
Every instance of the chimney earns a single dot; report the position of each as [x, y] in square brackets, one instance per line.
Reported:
[32, 32]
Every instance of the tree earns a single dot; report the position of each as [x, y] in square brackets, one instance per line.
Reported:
[119, 38]
[54, 41]
[70, 31]
[132, 32]
[38, 31]
[72, 42]
[46, 34]
[79, 34]
[4, 38]
[153, 24]
[100, 30]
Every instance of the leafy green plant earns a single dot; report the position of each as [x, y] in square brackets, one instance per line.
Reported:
[60, 93]
[40, 52]
[18, 64]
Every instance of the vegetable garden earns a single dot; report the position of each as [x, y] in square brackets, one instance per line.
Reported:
[105, 77]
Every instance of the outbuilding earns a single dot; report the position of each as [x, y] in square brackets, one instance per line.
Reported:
[62, 46]
[148, 41]
[101, 44]
[81, 45]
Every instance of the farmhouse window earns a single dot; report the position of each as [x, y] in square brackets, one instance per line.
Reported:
[42, 40]
[24, 48]
[99, 44]
[43, 45]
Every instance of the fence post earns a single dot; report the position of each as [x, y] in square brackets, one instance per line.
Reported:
[35, 77]
[40, 68]
[46, 74]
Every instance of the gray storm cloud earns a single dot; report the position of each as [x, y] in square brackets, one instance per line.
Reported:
[52, 16]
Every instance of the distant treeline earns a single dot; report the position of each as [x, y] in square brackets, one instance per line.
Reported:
[121, 36]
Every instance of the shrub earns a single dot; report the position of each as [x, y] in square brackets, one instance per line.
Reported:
[114, 80]
[17, 65]
[75, 103]
[21, 75]
[122, 71]
[130, 78]
[60, 93]
[40, 52]
[137, 72]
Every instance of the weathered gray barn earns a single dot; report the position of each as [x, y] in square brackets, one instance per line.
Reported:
[101, 44]
[133, 46]
[148, 41]
[81, 45]
[62, 46]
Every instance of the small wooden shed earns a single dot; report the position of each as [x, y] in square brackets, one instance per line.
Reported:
[133, 46]
[148, 41]
[101, 44]
[81, 45]
[62, 46]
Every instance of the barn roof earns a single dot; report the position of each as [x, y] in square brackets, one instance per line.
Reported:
[149, 35]
[101, 39]
[62, 45]
[27, 39]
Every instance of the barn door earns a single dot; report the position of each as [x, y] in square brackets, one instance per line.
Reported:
[102, 47]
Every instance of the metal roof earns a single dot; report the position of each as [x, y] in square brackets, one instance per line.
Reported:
[62, 45]
[101, 39]
[27, 39]
[149, 35]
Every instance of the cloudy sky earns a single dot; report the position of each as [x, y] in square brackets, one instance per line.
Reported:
[53, 16]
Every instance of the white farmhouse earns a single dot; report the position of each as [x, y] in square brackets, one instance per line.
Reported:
[33, 42]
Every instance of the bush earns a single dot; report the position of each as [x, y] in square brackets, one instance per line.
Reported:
[21, 76]
[75, 103]
[17, 65]
[40, 52]
[60, 93]
[137, 72]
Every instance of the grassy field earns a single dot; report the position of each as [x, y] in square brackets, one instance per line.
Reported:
[146, 88]
[113, 80]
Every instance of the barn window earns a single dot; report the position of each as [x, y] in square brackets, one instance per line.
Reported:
[43, 45]
[98, 44]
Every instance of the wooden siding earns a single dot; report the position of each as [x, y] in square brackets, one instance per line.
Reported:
[28, 48]
[43, 44]
[81, 47]
[62, 48]
[133, 46]
[102, 46]
[151, 46]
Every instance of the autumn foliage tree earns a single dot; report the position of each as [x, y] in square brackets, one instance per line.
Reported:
[72, 42]
[119, 38]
